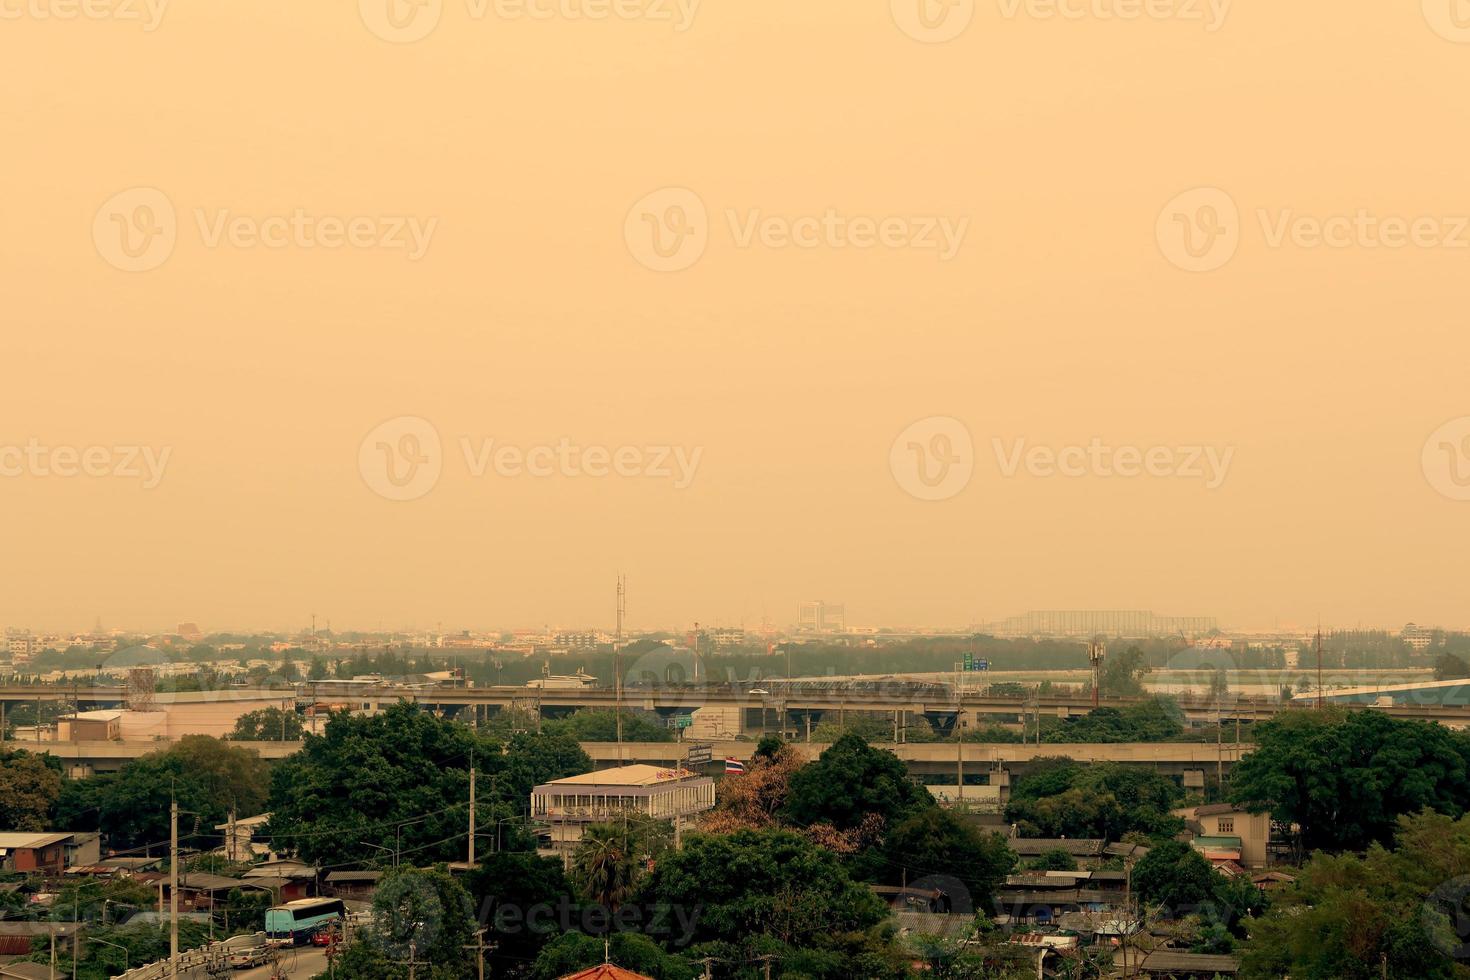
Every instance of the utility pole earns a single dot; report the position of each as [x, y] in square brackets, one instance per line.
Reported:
[1320, 703]
[708, 973]
[173, 888]
[472, 811]
[479, 947]
[765, 962]
[618, 696]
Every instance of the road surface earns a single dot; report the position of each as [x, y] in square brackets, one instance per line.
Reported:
[298, 963]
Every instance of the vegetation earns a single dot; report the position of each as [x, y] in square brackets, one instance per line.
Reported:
[1346, 776]
[1395, 913]
[268, 725]
[397, 783]
[208, 777]
[1156, 720]
[1060, 798]
[602, 726]
[30, 785]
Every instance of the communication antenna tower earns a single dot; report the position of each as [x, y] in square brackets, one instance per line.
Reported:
[622, 602]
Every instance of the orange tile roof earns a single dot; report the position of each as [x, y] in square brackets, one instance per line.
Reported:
[606, 972]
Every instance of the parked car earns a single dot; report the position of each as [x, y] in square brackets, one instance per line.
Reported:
[249, 956]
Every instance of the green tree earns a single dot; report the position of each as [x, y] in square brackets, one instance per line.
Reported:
[848, 782]
[602, 726]
[935, 842]
[426, 916]
[1104, 800]
[399, 781]
[1123, 673]
[1057, 859]
[30, 786]
[1345, 777]
[773, 883]
[268, 725]
[505, 888]
[575, 952]
[1176, 876]
[1396, 913]
[207, 777]
[1449, 666]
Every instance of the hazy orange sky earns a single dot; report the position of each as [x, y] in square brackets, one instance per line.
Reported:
[141, 309]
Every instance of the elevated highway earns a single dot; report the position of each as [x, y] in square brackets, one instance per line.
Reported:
[800, 702]
[924, 759]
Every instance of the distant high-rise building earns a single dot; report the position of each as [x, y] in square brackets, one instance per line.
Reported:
[821, 617]
[22, 645]
[1417, 637]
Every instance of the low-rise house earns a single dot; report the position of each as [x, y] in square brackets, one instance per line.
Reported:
[17, 936]
[1222, 832]
[239, 837]
[299, 877]
[90, 726]
[353, 885]
[50, 852]
[1176, 964]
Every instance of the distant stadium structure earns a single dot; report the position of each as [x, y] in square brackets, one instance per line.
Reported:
[1091, 622]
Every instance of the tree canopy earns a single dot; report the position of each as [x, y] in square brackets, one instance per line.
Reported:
[848, 782]
[399, 781]
[268, 725]
[1345, 777]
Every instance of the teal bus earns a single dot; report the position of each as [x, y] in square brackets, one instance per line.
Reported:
[294, 923]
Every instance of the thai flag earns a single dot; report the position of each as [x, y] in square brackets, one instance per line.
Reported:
[734, 767]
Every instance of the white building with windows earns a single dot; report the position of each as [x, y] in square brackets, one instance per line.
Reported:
[569, 806]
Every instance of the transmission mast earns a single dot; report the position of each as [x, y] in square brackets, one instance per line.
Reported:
[622, 602]
[1096, 650]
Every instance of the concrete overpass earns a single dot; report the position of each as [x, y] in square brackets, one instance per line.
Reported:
[801, 702]
[929, 759]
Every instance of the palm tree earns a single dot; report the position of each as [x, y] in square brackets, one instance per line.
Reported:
[604, 866]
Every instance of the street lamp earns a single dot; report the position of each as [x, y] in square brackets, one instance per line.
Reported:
[114, 946]
[391, 850]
